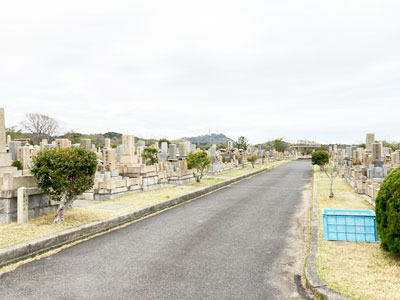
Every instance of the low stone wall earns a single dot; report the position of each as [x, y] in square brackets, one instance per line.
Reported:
[39, 204]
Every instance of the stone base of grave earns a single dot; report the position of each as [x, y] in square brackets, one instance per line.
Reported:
[109, 194]
[181, 179]
[39, 204]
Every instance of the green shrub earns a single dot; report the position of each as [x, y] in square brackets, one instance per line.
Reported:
[252, 159]
[320, 158]
[388, 212]
[149, 154]
[17, 164]
[64, 174]
[200, 163]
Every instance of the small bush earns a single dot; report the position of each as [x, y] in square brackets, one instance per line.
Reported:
[64, 174]
[17, 164]
[320, 158]
[252, 159]
[388, 212]
[200, 163]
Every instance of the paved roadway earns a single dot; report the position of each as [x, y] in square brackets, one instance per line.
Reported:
[225, 245]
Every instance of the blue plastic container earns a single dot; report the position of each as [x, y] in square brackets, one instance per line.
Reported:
[350, 225]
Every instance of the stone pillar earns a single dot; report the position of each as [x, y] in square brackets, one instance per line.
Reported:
[229, 145]
[107, 143]
[182, 149]
[164, 151]
[188, 147]
[370, 139]
[109, 158]
[3, 140]
[25, 155]
[8, 139]
[172, 152]
[377, 151]
[128, 144]
[13, 147]
[23, 206]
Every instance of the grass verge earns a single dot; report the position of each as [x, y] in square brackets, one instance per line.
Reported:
[358, 270]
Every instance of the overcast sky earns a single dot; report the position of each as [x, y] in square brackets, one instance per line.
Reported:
[327, 71]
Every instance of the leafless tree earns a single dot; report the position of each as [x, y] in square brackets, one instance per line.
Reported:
[331, 173]
[41, 126]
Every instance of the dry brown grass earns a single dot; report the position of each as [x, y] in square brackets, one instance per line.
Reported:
[43, 225]
[359, 270]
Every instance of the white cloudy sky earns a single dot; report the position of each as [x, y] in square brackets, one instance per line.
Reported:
[327, 71]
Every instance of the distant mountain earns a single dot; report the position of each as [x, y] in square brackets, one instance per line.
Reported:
[208, 139]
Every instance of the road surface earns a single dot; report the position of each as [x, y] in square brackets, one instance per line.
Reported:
[231, 244]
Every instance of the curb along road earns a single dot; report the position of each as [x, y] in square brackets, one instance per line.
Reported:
[314, 282]
[21, 251]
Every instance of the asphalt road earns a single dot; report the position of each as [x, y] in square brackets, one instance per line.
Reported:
[225, 245]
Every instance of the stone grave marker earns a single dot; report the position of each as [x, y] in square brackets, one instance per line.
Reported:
[22, 205]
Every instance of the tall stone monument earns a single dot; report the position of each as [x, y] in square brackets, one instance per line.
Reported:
[5, 158]
[3, 140]
[377, 151]
[370, 139]
[128, 156]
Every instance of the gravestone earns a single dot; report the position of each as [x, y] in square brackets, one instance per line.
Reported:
[107, 143]
[182, 149]
[128, 144]
[42, 143]
[370, 139]
[49, 146]
[25, 156]
[118, 152]
[377, 151]
[3, 140]
[229, 145]
[349, 152]
[164, 151]
[188, 147]
[213, 154]
[386, 151]
[62, 143]
[86, 143]
[13, 148]
[172, 152]
[22, 205]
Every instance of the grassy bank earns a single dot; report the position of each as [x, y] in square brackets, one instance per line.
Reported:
[358, 270]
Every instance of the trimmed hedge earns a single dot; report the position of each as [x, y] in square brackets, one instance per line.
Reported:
[388, 212]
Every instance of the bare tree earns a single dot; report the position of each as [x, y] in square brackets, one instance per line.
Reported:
[331, 173]
[41, 126]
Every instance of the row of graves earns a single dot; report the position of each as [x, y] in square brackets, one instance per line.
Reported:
[121, 170]
[365, 169]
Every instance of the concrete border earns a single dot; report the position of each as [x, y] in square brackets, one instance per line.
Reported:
[314, 282]
[21, 251]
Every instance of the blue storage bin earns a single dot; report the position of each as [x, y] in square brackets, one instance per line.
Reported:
[350, 225]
